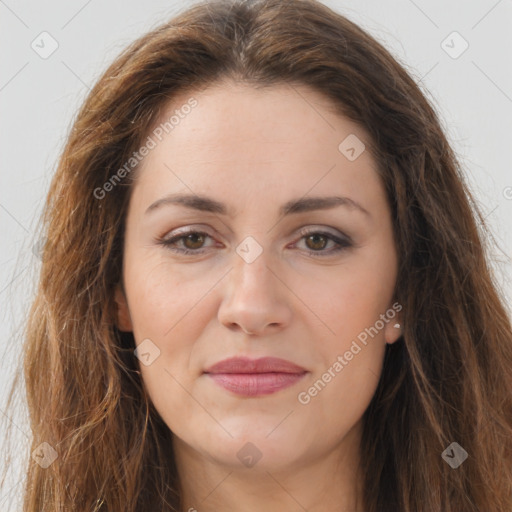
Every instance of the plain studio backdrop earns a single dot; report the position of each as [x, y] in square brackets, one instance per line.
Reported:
[54, 51]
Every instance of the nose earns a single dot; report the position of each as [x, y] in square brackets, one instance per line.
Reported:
[256, 300]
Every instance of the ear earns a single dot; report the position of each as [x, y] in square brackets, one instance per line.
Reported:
[124, 321]
[393, 329]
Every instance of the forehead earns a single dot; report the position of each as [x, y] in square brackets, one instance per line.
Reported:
[237, 138]
[241, 112]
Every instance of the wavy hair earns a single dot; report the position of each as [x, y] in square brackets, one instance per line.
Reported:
[448, 379]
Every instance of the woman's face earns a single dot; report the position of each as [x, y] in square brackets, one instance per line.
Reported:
[276, 268]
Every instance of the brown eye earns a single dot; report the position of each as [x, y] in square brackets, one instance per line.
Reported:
[318, 241]
[195, 239]
[191, 242]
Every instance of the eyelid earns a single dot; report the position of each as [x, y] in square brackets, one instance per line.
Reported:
[315, 228]
[303, 230]
[340, 239]
[180, 233]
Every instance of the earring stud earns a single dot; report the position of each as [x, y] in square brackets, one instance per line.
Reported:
[397, 326]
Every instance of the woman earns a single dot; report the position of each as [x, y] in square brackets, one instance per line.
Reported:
[263, 286]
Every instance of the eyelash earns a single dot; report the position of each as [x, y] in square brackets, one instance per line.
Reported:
[342, 244]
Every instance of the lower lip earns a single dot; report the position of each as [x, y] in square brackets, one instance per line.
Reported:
[255, 384]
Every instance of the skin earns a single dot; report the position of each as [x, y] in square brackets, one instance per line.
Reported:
[254, 150]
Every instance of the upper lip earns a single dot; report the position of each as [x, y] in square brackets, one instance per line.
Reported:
[261, 365]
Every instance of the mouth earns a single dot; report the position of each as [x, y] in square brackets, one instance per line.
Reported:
[255, 377]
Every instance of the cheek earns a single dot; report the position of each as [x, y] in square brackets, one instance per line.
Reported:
[173, 321]
[352, 300]
[338, 396]
[356, 310]
[164, 300]
[169, 312]
[351, 356]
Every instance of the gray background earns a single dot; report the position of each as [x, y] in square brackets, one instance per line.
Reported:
[40, 96]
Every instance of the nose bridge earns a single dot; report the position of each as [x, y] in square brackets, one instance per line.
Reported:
[252, 267]
[254, 296]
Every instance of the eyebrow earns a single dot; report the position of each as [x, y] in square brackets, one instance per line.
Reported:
[295, 206]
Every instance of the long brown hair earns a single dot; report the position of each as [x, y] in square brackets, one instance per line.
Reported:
[449, 378]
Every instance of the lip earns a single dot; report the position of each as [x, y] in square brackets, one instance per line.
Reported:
[261, 365]
[255, 377]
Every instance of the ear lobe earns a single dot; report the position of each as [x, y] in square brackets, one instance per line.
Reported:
[393, 330]
[124, 321]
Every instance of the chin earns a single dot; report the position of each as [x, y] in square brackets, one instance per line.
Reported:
[256, 455]
[255, 444]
